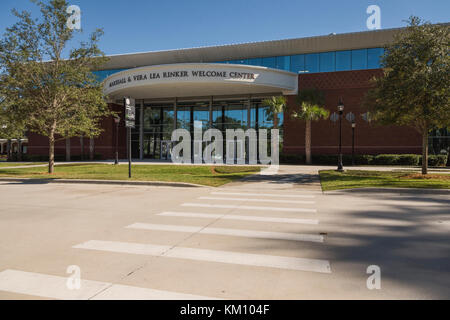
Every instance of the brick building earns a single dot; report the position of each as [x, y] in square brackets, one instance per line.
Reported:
[223, 87]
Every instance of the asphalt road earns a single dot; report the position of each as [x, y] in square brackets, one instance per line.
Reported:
[269, 237]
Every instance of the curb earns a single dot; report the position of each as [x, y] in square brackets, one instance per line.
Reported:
[391, 190]
[107, 182]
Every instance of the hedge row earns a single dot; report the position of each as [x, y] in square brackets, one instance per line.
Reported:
[382, 159]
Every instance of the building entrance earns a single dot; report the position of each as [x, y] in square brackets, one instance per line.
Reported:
[152, 136]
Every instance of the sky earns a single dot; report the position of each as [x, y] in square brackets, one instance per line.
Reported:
[149, 25]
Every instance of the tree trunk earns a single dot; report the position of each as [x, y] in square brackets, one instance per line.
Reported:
[19, 150]
[82, 147]
[308, 142]
[51, 152]
[275, 121]
[91, 149]
[8, 149]
[67, 149]
[425, 152]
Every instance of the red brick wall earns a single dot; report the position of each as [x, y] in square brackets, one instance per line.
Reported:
[104, 144]
[369, 138]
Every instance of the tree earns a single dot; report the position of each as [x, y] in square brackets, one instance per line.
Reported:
[310, 108]
[11, 127]
[275, 105]
[414, 90]
[56, 97]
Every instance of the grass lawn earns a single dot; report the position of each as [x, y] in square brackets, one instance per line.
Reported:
[333, 180]
[204, 175]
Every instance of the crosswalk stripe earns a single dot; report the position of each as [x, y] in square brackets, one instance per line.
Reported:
[263, 194]
[55, 287]
[229, 232]
[238, 217]
[257, 200]
[122, 292]
[249, 259]
[229, 206]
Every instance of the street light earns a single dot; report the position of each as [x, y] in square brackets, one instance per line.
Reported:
[117, 121]
[341, 111]
[353, 142]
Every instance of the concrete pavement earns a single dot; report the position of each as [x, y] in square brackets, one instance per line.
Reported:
[267, 237]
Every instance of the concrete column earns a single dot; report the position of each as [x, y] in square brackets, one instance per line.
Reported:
[91, 149]
[67, 149]
[141, 130]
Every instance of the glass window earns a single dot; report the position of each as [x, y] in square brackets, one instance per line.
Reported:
[255, 61]
[312, 62]
[168, 119]
[184, 118]
[298, 63]
[327, 61]
[343, 60]
[270, 62]
[201, 114]
[265, 118]
[373, 58]
[240, 61]
[152, 117]
[103, 74]
[235, 116]
[283, 63]
[359, 59]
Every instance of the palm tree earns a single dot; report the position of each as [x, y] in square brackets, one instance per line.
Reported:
[276, 105]
[310, 108]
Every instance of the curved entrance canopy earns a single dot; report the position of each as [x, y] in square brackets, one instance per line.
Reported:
[198, 79]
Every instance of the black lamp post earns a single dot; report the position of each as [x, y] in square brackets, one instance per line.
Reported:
[353, 142]
[341, 111]
[117, 121]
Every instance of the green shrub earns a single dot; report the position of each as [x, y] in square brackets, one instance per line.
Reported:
[360, 159]
[386, 159]
[408, 159]
[436, 160]
[325, 159]
[292, 159]
[363, 159]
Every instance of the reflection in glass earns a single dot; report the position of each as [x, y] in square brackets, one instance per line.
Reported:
[373, 58]
[298, 63]
[359, 59]
[343, 60]
[327, 61]
[312, 62]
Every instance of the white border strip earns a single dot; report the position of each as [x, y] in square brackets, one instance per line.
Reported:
[248, 259]
[262, 194]
[230, 232]
[257, 200]
[237, 217]
[55, 287]
[228, 206]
